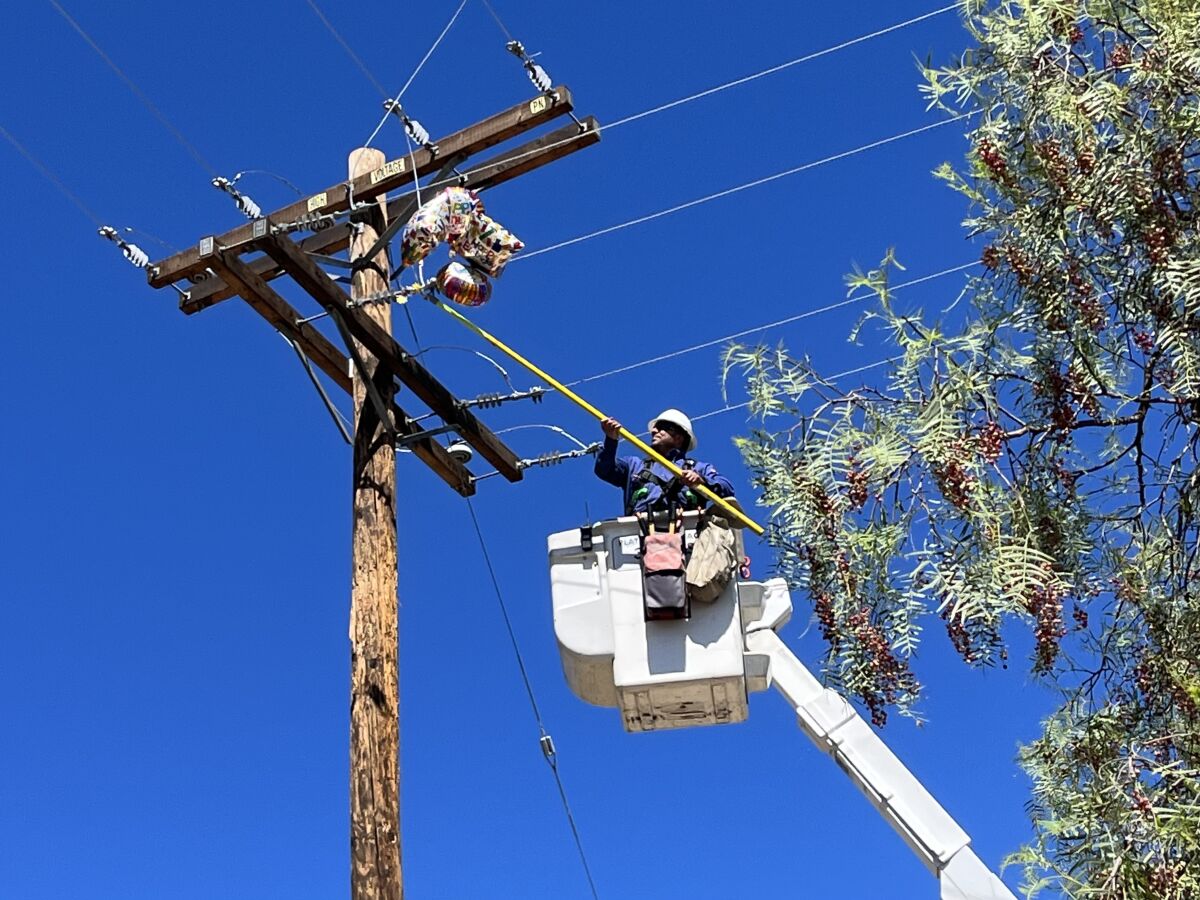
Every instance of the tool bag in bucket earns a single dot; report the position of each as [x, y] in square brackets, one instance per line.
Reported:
[664, 590]
[713, 561]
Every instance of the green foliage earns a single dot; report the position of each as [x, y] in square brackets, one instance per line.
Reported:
[1038, 463]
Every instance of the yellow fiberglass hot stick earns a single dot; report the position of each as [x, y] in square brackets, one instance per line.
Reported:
[625, 433]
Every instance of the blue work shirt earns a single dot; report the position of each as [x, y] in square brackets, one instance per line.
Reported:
[622, 472]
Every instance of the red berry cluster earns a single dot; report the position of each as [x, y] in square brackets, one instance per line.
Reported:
[1021, 266]
[1156, 684]
[1059, 392]
[1066, 477]
[960, 639]
[1121, 56]
[1075, 35]
[1163, 750]
[1142, 803]
[1143, 340]
[1086, 161]
[890, 674]
[1079, 614]
[821, 501]
[1167, 166]
[823, 607]
[1165, 374]
[990, 257]
[956, 482]
[990, 442]
[1047, 607]
[1163, 880]
[993, 160]
[1159, 241]
[856, 485]
[1057, 169]
[1091, 311]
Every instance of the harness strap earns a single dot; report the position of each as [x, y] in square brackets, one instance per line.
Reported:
[673, 489]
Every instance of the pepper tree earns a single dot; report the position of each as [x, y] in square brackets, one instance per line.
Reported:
[1033, 462]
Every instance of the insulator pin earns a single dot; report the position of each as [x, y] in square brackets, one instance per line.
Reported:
[132, 252]
[245, 205]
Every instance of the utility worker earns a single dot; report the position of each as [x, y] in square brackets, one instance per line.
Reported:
[649, 485]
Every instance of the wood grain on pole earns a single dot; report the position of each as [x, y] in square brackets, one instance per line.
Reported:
[374, 628]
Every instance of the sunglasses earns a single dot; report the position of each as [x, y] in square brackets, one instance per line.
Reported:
[670, 428]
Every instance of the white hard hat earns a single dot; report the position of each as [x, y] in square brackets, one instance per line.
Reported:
[675, 417]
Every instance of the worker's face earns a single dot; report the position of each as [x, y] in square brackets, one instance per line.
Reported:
[666, 436]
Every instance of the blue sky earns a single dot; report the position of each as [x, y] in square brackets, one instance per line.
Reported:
[173, 651]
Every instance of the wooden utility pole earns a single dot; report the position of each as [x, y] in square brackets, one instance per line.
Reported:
[241, 263]
[374, 629]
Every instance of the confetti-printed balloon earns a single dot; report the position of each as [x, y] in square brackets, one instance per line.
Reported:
[464, 285]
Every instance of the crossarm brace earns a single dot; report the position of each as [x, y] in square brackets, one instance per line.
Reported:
[381, 406]
[391, 355]
[401, 220]
[837, 729]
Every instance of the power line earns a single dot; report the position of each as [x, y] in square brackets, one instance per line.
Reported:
[503, 27]
[848, 372]
[742, 187]
[806, 314]
[50, 176]
[137, 92]
[349, 50]
[779, 68]
[544, 739]
[420, 65]
[649, 112]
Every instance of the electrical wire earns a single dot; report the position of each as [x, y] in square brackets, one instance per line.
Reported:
[806, 314]
[742, 187]
[412, 164]
[609, 127]
[269, 174]
[503, 27]
[420, 65]
[50, 176]
[137, 92]
[779, 68]
[543, 736]
[349, 50]
[708, 92]
[570, 437]
[845, 374]
[334, 413]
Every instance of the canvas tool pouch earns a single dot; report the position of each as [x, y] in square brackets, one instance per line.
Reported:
[664, 594]
[713, 560]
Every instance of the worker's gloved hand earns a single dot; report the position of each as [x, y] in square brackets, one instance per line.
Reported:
[611, 428]
[691, 478]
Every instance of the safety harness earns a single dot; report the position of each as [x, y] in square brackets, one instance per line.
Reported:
[675, 494]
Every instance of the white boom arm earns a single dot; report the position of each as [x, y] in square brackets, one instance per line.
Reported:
[700, 670]
[837, 729]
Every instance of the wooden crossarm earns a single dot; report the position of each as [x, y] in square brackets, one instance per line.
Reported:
[497, 170]
[392, 175]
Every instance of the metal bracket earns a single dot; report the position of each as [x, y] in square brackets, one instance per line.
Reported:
[409, 439]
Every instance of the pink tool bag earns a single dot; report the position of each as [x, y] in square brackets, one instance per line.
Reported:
[664, 589]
